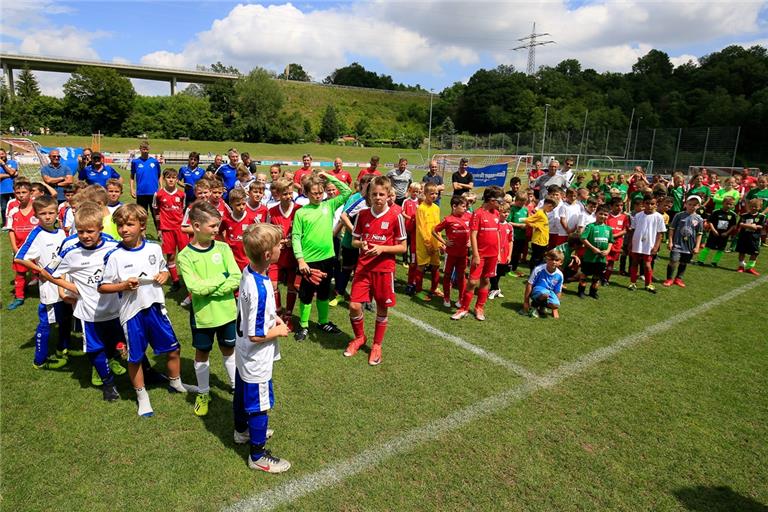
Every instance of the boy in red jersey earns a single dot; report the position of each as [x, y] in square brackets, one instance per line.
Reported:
[505, 250]
[410, 205]
[202, 193]
[168, 205]
[484, 240]
[379, 234]
[217, 196]
[233, 225]
[619, 222]
[254, 204]
[284, 270]
[21, 221]
[456, 226]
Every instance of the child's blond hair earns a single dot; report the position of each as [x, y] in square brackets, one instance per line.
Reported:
[201, 211]
[129, 212]
[260, 238]
[89, 214]
[236, 195]
[280, 185]
[113, 182]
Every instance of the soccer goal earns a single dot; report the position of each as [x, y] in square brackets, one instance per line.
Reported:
[27, 153]
[608, 163]
[722, 172]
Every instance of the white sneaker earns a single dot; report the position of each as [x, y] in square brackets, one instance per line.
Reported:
[459, 314]
[244, 437]
[500, 295]
[269, 463]
[446, 303]
[493, 294]
[458, 303]
[186, 302]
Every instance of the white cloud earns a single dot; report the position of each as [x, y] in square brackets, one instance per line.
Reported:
[65, 41]
[684, 59]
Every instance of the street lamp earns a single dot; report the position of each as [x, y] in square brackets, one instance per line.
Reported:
[544, 133]
[429, 135]
[637, 132]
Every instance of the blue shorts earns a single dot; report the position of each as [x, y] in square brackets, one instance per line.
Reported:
[256, 397]
[540, 293]
[98, 336]
[149, 327]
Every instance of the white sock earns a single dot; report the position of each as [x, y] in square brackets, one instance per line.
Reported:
[145, 407]
[742, 264]
[229, 365]
[203, 372]
[177, 385]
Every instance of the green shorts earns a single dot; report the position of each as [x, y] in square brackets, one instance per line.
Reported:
[202, 339]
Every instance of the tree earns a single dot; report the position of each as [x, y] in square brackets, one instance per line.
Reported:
[257, 101]
[27, 87]
[97, 99]
[221, 93]
[296, 72]
[329, 128]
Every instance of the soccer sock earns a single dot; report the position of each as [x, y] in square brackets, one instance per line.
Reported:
[717, 256]
[290, 300]
[495, 282]
[681, 270]
[381, 329]
[322, 311]
[64, 319]
[461, 283]
[633, 272]
[648, 276]
[145, 407]
[447, 286]
[358, 326]
[177, 385]
[412, 269]
[670, 270]
[99, 361]
[435, 279]
[278, 304]
[342, 280]
[419, 279]
[582, 287]
[622, 263]
[482, 298]
[19, 282]
[466, 300]
[304, 311]
[174, 272]
[203, 373]
[257, 427]
[229, 365]
[704, 254]
[653, 261]
[742, 264]
[608, 271]
[42, 334]
[751, 263]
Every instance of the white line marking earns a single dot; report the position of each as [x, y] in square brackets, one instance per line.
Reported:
[459, 342]
[340, 471]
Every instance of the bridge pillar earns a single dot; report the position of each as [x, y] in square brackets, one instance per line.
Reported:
[8, 72]
[173, 86]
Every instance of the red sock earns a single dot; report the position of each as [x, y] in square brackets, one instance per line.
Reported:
[419, 281]
[290, 301]
[608, 272]
[435, 279]
[381, 329]
[19, 282]
[358, 326]
[648, 276]
[482, 297]
[447, 285]
[174, 272]
[466, 299]
[412, 273]
[461, 283]
[633, 271]
[278, 304]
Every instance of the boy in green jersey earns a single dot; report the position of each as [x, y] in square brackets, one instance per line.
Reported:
[312, 240]
[517, 215]
[211, 275]
[597, 238]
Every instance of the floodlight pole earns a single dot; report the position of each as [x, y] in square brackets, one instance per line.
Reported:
[544, 133]
[429, 136]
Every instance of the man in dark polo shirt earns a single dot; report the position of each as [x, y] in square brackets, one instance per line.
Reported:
[462, 179]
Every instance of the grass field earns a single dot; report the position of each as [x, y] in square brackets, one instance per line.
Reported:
[632, 402]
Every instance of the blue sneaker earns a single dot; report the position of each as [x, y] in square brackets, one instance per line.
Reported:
[15, 304]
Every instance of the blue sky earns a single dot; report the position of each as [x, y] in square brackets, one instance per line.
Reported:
[430, 42]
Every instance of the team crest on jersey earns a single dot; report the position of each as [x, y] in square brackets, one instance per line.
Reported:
[178, 199]
[152, 259]
[152, 165]
[34, 220]
[384, 225]
[216, 258]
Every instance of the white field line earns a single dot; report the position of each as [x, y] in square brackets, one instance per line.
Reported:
[459, 342]
[339, 471]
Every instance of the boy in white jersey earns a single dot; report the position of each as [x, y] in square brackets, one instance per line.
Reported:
[83, 263]
[258, 328]
[136, 270]
[40, 249]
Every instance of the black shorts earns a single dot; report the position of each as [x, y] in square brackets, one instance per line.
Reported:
[748, 245]
[307, 290]
[593, 268]
[145, 201]
[680, 257]
[716, 242]
[349, 257]
[202, 339]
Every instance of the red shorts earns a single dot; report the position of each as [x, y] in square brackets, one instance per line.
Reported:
[380, 285]
[486, 268]
[614, 255]
[555, 240]
[173, 240]
[278, 274]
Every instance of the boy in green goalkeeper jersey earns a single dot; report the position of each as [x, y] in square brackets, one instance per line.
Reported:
[597, 238]
[312, 241]
[211, 275]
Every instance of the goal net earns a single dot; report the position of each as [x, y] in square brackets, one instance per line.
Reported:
[607, 163]
[27, 154]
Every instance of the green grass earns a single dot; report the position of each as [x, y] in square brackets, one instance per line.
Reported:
[674, 423]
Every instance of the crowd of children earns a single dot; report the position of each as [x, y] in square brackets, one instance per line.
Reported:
[312, 234]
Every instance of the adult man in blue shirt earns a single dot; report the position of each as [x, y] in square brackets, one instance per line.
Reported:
[9, 169]
[228, 171]
[57, 175]
[98, 173]
[145, 178]
[191, 174]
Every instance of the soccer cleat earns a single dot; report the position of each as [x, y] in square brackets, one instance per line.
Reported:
[410, 289]
[175, 286]
[95, 379]
[752, 271]
[15, 304]
[201, 404]
[446, 303]
[500, 295]
[534, 313]
[668, 283]
[116, 367]
[375, 356]
[301, 334]
[458, 304]
[269, 463]
[593, 294]
[437, 293]
[330, 328]
[186, 302]
[368, 306]
[679, 282]
[581, 294]
[651, 288]
[740, 270]
[493, 294]
[244, 437]
[459, 314]
[480, 314]
[713, 264]
[354, 346]
[700, 263]
[632, 287]
[424, 296]
[605, 282]
[109, 393]
[50, 364]
[334, 301]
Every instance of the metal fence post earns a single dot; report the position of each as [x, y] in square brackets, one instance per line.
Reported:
[677, 149]
[653, 141]
[735, 147]
[706, 143]
[607, 136]
[517, 144]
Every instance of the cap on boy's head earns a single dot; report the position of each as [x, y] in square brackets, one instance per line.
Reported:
[694, 198]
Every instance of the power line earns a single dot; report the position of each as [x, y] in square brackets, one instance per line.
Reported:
[531, 45]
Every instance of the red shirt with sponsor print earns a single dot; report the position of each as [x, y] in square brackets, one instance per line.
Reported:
[505, 237]
[486, 224]
[170, 208]
[387, 228]
[21, 224]
[259, 213]
[231, 231]
[618, 224]
[409, 208]
[284, 220]
[456, 231]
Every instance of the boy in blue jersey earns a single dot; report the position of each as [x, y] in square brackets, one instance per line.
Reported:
[145, 177]
[256, 348]
[544, 287]
[136, 271]
[228, 171]
[191, 174]
[39, 250]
